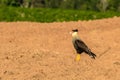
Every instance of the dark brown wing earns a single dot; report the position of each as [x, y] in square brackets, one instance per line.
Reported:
[81, 45]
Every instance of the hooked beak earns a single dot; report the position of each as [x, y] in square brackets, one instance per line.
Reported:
[70, 32]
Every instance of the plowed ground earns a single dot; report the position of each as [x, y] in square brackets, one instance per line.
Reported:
[44, 51]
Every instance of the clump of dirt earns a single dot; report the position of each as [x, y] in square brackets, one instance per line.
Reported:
[44, 51]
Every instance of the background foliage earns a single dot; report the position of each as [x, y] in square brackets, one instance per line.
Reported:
[57, 10]
[97, 5]
[50, 15]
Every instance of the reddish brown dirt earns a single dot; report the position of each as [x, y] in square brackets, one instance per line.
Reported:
[43, 51]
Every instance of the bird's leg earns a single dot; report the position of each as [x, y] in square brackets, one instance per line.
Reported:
[78, 57]
[74, 52]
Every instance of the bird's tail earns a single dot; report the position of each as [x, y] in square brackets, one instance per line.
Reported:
[92, 55]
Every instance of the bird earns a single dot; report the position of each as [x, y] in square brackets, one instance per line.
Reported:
[80, 46]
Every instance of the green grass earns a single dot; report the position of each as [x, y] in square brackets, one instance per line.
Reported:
[50, 15]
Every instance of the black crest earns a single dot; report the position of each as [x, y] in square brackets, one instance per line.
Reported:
[75, 30]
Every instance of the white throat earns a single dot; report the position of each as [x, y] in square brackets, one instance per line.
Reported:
[74, 34]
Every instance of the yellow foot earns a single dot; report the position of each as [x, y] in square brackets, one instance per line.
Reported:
[78, 57]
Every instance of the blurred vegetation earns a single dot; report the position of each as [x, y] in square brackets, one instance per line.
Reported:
[97, 5]
[50, 15]
[57, 10]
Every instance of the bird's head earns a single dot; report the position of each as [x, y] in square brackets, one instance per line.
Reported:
[74, 32]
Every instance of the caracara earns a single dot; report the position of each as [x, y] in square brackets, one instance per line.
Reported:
[80, 46]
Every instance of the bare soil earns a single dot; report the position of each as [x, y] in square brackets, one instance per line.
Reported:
[44, 51]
